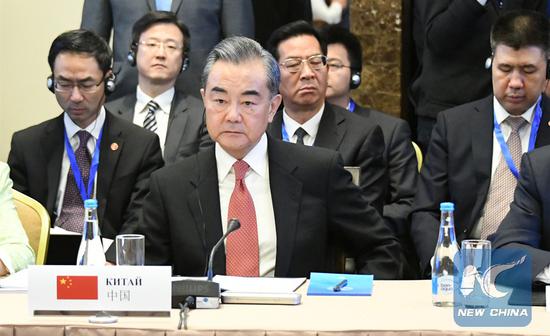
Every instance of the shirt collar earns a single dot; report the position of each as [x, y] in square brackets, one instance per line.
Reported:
[164, 100]
[501, 114]
[94, 128]
[311, 126]
[256, 159]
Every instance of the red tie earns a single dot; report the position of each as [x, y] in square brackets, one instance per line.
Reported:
[241, 247]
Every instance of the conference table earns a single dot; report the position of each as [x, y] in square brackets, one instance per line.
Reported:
[395, 308]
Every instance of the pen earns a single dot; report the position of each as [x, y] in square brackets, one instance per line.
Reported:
[340, 285]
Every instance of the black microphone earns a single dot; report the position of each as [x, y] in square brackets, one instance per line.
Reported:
[233, 225]
[206, 294]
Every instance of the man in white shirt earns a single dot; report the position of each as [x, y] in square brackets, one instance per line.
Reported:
[288, 199]
[473, 158]
[159, 50]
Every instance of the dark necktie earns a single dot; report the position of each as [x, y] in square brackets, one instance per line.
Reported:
[503, 183]
[72, 210]
[300, 133]
[150, 122]
[242, 250]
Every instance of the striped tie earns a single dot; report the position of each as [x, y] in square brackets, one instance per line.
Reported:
[150, 122]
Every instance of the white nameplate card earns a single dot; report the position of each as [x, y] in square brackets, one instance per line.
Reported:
[97, 288]
[548, 299]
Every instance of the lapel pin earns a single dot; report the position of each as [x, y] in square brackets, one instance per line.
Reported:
[114, 146]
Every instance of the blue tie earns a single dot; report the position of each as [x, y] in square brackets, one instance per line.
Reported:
[163, 5]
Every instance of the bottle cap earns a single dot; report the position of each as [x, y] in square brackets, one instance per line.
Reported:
[447, 206]
[90, 203]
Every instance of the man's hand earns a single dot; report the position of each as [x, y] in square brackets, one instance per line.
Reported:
[3, 268]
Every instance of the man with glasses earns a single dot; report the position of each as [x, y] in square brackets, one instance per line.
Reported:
[85, 152]
[160, 44]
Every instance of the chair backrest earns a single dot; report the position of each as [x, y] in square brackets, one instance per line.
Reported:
[36, 222]
[418, 153]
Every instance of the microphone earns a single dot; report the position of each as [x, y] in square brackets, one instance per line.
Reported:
[233, 225]
[203, 293]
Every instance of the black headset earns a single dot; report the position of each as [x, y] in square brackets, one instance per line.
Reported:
[489, 62]
[110, 85]
[131, 57]
[355, 79]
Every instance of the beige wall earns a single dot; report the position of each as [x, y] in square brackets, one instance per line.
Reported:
[27, 29]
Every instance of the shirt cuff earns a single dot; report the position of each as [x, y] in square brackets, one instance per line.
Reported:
[544, 276]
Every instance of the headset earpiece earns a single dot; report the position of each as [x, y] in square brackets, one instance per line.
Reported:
[49, 83]
[185, 64]
[131, 57]
[110, 84]
[355, 80]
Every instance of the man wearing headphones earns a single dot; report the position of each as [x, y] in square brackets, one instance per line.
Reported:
[473, 158]
[159, 48]
[344, 61]
[85, 152]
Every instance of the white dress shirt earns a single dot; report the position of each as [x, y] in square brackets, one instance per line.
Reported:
[331, 14]
[71, 128]
[257, 183]
[162, 115]
[311, 127]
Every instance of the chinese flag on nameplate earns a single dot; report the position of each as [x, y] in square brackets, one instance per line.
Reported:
[76, 287]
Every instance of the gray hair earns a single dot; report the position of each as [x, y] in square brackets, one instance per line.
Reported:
[239, 49]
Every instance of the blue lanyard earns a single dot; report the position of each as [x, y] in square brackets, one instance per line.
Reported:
[84, 193]
[532, 139]
[351, 105]
[284, 133]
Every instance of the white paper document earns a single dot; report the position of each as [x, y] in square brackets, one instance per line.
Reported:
[258, 285]
[15, 282]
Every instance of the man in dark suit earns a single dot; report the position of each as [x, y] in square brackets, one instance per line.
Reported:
[527, 225]
[345, 57]
[160, 45]
[208, 21]
[54, 162]
[470, 157]
[301, 54]
[289, 199]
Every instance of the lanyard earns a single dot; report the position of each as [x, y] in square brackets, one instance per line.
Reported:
[84, 193]
[284, 133]
[532, 139]
[351, 105]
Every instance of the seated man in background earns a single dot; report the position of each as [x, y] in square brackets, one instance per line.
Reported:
[15, 251]
[289, 199]
[159, 50]
[527, 225]
[344, 61]
[85, 152]
[475, 151]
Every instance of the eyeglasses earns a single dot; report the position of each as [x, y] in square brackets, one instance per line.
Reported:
[64, 86]
[335, 65]
[170, 46]
[294, 65]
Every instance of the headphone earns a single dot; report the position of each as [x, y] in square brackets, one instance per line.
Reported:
[110, 84]
[489, 62]
[355, 80]
[131, 57]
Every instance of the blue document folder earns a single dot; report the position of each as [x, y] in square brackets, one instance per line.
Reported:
[325, 283]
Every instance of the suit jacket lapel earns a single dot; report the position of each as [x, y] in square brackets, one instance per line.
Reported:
[286, 192]
[543, 134]
[331, 129]
[275, 128]
[481, 126]
[53, 147]
[126, 109]
[112, 144]
[176, 124]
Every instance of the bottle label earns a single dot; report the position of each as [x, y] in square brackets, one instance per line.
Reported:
[445, 285]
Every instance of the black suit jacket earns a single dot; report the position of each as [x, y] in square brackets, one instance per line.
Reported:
[527, 225]
[313, 197]
[186, 132]
[359, 142]
[457, 168]
[122, 178]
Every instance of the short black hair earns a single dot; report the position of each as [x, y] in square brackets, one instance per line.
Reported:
[290, 30]
[157, 17]
[519, 29]
[334, 34]
[82, 41]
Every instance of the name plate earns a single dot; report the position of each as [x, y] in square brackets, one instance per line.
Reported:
[99, 288]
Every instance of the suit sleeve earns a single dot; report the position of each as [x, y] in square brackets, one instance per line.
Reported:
[522, 228]
[18, 170]
[375, 248]
[237, 18]
[432, 189]
[373, 176]
[97, 17]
